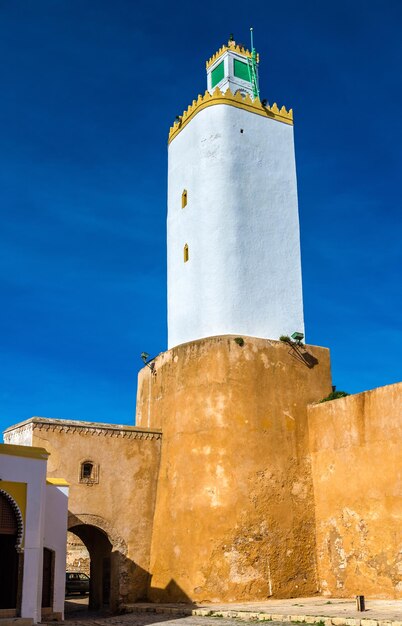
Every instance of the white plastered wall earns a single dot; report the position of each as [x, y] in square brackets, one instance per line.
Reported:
[21, 436]
[33, 473]
[45, 526]
[55, 538]
[241, 225]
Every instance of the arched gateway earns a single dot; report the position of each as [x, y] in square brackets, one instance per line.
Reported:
[106, 549]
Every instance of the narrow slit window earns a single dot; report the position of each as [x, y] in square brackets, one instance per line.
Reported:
[184, 198]
[185, 253]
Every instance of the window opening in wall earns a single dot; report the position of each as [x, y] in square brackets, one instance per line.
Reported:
[185, 252]
[184, 198]
[89, 472]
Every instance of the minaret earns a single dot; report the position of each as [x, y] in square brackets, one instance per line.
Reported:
[233, 227]
[234, 511]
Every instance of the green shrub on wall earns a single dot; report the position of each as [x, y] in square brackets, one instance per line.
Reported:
[334, 395]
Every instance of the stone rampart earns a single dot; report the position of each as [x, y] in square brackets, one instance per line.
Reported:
[234, 516]
[356, 450]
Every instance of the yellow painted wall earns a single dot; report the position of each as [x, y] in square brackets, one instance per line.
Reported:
[18, 491]
[356, 448]
[234, 517]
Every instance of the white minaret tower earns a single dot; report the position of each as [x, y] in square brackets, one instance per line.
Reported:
[233, 227]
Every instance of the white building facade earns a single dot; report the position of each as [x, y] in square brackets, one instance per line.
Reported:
[233, 239]
[33, 530]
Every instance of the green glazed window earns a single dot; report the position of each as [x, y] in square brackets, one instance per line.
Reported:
[241, 70]
[217, 74]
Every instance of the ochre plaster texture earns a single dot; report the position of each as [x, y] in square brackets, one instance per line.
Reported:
[234, 517]
[120, 504]
[356, 450]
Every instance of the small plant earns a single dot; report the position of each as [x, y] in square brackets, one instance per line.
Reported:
[285, 338]
[334, 395]
[239, 341]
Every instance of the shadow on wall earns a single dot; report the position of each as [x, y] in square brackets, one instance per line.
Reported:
[136, 586]
[116, 580]
[300, 353]
[171, 593]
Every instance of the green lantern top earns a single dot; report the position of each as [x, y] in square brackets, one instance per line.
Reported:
[234, 67]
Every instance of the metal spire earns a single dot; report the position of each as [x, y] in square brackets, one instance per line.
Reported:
[252, 67]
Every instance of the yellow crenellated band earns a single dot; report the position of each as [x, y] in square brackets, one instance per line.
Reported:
[234, 47]
[238, 101]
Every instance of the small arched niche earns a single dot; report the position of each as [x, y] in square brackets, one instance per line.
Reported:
[184, 198]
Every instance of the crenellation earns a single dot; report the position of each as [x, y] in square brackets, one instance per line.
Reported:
[233, 47]
[236, 100]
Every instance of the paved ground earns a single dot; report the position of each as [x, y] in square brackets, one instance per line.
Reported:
[333, 612]
[75, 603]
[146, 619]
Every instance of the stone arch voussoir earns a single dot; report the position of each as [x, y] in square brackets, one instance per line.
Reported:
[99, 522]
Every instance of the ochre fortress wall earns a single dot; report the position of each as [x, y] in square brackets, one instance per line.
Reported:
[356, 451]
[234, 486]
[234, 517]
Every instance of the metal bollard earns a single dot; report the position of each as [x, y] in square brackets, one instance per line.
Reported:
[360, 603]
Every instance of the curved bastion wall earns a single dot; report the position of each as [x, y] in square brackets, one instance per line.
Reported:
[234, 514]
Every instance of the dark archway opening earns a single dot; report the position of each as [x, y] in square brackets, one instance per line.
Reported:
[9, 555]
[100, 549]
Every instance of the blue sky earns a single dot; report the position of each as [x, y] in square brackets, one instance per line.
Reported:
[88, 92]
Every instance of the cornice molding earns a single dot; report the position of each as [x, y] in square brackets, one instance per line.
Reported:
[86, 428]
[238, 101]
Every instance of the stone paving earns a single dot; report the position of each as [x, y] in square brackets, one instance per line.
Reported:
[327, 612]
[331, 611]
[147, 619]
